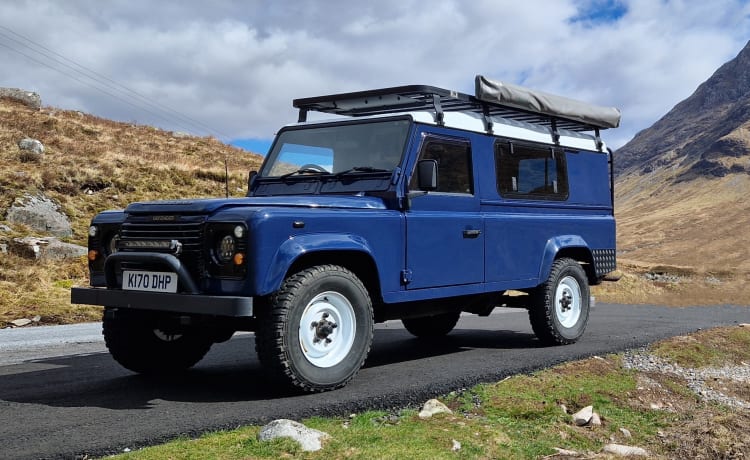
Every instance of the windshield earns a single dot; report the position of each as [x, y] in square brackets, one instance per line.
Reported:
[369, 147]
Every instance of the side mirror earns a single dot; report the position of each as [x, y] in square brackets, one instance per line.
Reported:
[427, 175]
[250, 181]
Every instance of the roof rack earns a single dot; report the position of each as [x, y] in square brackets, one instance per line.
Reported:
[400, 99]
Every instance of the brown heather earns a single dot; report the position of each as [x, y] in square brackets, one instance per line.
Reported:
[91, 164]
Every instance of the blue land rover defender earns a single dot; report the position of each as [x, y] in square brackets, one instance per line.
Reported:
[414, 203]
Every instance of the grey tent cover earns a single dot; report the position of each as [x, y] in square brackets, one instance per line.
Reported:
[548, 104]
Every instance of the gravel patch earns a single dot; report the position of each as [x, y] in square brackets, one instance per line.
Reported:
[641, 360]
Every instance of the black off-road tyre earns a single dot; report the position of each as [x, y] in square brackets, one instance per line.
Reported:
[560, 306]
[315, 332]
[135, 340]
[432, 326]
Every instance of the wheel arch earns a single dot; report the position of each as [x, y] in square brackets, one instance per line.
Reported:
[348, 251]
[570, 246]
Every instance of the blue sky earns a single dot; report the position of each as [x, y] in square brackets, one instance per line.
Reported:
[230, 69]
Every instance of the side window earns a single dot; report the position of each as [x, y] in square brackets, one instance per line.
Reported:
[530, 172]
[454, 164]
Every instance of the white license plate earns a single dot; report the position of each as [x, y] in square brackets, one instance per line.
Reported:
[149, 281]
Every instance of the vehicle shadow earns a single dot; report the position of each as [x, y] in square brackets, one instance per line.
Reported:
[230, 373]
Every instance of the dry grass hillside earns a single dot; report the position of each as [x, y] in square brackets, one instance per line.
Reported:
[683, 243]
[89, 165]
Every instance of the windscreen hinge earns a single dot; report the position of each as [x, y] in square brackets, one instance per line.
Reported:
[406, 276]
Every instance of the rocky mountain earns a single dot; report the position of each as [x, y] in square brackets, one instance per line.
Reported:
[706, 135]
[682, 185]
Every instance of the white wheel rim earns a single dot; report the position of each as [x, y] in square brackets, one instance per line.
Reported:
[568, 301]
[322, 343]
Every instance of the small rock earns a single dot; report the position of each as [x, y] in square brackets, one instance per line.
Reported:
[625, 432]
[32, 145]
[566, 452]
[744, 324]
[21, 322]
[564, 408]
[624, 451]
[456, 446]
[309, 439]
[36, 319]
[583, 416]
[4, 228]
[433, 407]
[595, 420]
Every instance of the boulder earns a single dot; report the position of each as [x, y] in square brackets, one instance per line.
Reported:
[32, 145]
[309, 439]
[625, 451]
[41, 214]
[49, 248]
[583, 417]
[433, 407]
[32, 150]
[28, 98]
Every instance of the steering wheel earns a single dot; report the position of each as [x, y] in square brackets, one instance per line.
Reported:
[314, 167]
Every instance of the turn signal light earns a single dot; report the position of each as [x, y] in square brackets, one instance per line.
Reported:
[239, 258]
[93, 254]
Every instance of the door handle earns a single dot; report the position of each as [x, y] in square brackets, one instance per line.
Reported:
[472, 233]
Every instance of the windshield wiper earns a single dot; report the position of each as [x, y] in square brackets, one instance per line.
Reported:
[357, 169]
[305, 170]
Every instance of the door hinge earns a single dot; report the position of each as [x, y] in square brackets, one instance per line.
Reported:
[406, 276]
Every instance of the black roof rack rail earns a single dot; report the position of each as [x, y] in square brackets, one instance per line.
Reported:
[399, 99]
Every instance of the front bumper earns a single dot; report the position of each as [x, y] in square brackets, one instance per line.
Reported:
[161, 301]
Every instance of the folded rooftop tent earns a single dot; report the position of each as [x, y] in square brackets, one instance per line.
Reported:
[540, 102]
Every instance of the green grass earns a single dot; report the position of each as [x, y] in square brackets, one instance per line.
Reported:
[520, 417]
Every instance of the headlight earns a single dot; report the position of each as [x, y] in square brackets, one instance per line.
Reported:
[111, 244]
[93, 230]
[225, 249]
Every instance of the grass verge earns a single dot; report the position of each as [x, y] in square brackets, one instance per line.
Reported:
[527, 416]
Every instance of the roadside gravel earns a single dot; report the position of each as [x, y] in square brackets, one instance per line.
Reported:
[697, 378]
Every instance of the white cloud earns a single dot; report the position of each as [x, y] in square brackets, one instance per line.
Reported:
[236, 66]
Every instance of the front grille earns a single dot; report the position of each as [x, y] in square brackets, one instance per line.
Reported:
[188, 230]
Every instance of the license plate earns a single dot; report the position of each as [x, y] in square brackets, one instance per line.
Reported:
[149, 281]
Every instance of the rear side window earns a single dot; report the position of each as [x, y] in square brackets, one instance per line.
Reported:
[454, 164]
[530, 172]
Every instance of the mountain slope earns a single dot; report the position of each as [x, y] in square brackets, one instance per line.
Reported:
[682, 184]
[89, 165]
[699, 135]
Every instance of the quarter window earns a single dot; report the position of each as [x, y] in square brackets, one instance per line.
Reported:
[530, 172]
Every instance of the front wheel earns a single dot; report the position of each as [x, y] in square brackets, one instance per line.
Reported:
[560, 306]
[316, 331]
[149, 344]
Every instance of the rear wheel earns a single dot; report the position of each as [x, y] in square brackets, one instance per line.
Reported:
[317, 329]
[432, 326]
[147, 343]
[560, 306]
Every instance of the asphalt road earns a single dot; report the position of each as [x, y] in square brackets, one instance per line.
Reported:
[63, 406]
